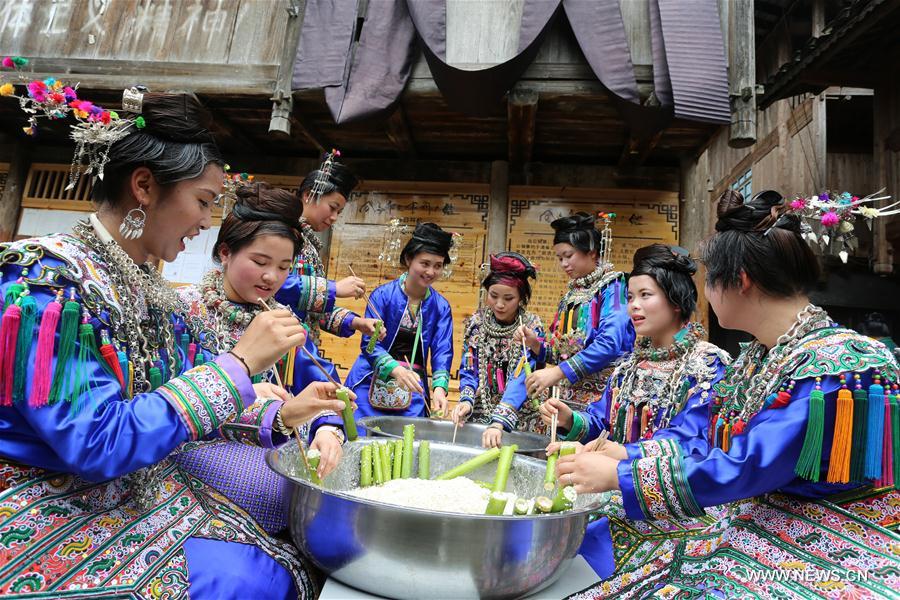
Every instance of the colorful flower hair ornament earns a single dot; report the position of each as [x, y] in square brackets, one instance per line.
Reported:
[95, 129]
[828, 220]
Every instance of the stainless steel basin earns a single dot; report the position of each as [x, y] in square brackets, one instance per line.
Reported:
[436, 430]
[401, 552]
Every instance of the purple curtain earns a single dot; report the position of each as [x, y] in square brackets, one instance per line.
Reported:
[689, 68]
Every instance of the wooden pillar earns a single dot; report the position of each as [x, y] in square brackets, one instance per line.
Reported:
[819, 124]
[498, 207]
[886, 158]
[742, 73]
[282, 100]
[11, 198]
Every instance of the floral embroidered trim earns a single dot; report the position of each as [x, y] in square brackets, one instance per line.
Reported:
[662, 488]
[663, 447]
[332, 322]
[204, 397]
[506, 415]
[467, 394]
[254, 425]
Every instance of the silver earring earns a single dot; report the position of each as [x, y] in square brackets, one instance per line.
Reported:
[132, 226]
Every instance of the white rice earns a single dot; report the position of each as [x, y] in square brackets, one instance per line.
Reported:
[460, 495]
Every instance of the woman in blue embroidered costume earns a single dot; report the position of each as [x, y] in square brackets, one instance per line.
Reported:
[802, 426]
[492, 371]
[591, 328]
[667, 379]
[671, 368]
[307, 291]
[392, 379]
[256, 245]
[97, 390]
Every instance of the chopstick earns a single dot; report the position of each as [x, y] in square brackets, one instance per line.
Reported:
[366, 296]
[554, 418]
[601, 440]
[281, 385]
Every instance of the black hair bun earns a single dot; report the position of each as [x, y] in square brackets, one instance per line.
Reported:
[260, 201]
[666, 257]
[580, 221]
[759, 214]
[432, 235]
[177, 117]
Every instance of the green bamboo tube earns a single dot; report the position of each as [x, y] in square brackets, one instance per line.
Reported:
[523, 506]
[370, 347]
[506, 457]
[567, 448]
[377, 466]
[397, 471]
[496, 503]
[384, 451]
[343, 394]
[550, 473]
[543, 504]
[312, 457]
[424, 459]
[564, 499]
[470, 465]
[409, 436]
[365, 467]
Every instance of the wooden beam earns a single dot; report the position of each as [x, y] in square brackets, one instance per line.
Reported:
[311, 132]
[886, 162]
[636, 151]
[230, 129]
[742, 73]
[521, 116]
[399, 134]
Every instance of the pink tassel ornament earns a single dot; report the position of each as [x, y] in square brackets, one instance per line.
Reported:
[43, 362]
[9, 335]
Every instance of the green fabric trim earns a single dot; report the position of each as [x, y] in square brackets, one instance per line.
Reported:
[578, 428]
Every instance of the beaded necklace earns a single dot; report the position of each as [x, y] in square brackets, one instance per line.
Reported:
[741, 393]
[147, 303]
[231, 319]
[496, 353]
[310, 260]
[639, 389]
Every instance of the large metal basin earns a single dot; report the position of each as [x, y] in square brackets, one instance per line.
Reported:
[402, 552]
[436, 430]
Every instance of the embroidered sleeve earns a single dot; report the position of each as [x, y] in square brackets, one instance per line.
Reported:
[659, 487]
[506, 415]
[440, 379]
[254, 425]
[206, 396]
[662, 447]
[467, 394]
[338, 321]
[307, 294]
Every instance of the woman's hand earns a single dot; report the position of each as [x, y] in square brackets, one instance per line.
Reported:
[530, 336]
[589, 472]
[366, 326]
[350, 287]
[543, 379]
[555, 406]
[439, 402]
[268, 337]
[265, 389]
[330, 450]
[461, 413]
[553, 447]
[407, 379]
[316, 398]
[608, 448]
[492, 437]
